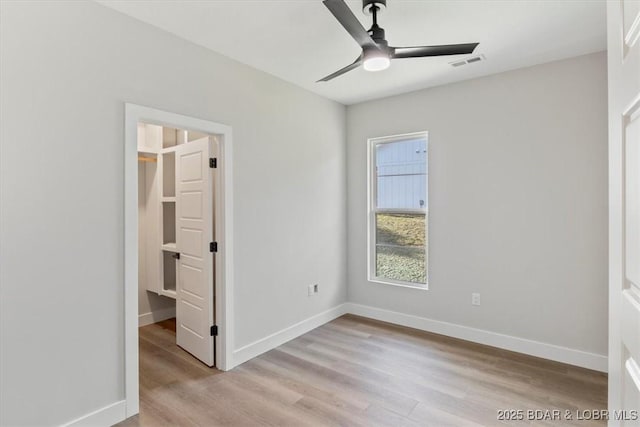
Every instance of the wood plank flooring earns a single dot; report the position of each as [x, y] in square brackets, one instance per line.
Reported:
[359, 372]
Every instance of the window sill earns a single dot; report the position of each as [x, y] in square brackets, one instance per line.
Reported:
[415, 286]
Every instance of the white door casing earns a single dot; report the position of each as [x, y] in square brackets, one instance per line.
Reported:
[224, 272]
[623, 23]
[194, 233]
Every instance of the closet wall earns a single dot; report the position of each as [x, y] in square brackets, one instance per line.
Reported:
[151, 307]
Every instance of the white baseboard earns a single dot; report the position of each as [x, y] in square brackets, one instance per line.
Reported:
[107, 416]
[567, 355]
[156, 316]
[276, 339]
[570, 356]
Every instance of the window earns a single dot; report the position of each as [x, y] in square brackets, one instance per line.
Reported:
[398, 210]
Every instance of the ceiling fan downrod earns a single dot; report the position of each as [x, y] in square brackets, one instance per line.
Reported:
[372, 7]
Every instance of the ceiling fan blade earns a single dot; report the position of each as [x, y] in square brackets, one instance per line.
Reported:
[341, 71]
[347, 19]
[441, 50]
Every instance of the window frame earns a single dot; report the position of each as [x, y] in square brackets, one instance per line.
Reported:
[372, 193]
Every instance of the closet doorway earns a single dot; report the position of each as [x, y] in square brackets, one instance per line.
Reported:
[178, 236]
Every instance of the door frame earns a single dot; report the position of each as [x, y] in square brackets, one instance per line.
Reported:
[224, 236]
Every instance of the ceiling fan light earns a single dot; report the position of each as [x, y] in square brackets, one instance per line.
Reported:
[376, 62]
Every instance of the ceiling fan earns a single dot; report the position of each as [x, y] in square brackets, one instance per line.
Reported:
[376, 53]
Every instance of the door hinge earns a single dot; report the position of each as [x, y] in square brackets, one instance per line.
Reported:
[214, 331]
[213, 162]
[213, 247]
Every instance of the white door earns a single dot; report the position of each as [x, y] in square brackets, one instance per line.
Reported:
[623, 22]
[194, 218]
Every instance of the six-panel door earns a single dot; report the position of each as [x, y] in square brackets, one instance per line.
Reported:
[194, 213]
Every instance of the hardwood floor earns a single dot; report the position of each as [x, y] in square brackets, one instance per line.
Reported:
[359, 372]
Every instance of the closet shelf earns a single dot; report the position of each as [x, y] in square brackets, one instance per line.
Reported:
[169, 247]
[170, 294]
[148, 151]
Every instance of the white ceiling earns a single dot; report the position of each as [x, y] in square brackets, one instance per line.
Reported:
[301, 42]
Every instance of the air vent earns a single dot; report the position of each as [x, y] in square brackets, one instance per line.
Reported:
[471, 60]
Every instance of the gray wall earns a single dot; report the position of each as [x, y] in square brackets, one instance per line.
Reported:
[517, 202]
[66, 70]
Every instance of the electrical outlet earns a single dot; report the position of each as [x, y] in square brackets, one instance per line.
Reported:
[312, 289]
[475, 299]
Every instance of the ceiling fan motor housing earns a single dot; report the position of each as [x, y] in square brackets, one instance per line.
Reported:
[368, 5]
[377, 34]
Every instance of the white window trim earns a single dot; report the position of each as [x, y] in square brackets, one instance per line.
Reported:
[372, 210]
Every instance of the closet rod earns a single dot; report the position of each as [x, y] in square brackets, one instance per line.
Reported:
[147, 159]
